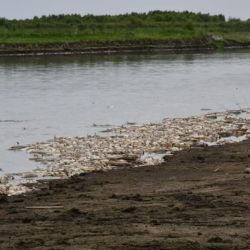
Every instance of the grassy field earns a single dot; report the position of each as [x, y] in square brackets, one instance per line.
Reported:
[160, 26]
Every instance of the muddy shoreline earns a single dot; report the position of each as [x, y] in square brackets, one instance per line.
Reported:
[127, 145]
[117, 47]
[197, 199]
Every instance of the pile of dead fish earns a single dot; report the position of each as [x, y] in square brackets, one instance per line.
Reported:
[131, 145]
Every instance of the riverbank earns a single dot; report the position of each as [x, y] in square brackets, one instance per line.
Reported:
[198, 199]
[127, 145]
[155, 31]
[208, 44]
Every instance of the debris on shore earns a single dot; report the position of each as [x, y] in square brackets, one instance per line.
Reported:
[133, 145]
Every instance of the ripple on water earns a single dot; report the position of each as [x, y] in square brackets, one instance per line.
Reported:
[63, 96]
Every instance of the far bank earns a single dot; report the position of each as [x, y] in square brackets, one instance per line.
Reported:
[120, 47]
[155, 31]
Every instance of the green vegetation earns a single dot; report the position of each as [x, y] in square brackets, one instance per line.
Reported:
[152, 26]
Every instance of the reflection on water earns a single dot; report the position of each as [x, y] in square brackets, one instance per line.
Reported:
[46, 96]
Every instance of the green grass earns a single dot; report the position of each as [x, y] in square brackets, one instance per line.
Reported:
[144, 27]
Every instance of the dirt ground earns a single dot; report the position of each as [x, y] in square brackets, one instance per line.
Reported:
[197, 199]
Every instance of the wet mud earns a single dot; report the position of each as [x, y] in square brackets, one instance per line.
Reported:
[197, 199]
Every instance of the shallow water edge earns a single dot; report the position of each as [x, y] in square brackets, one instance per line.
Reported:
[129, 145]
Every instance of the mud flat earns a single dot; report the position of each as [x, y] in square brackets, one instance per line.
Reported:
[130, 145]
[198, 199]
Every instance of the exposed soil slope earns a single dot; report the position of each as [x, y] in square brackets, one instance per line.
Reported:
[72, 48]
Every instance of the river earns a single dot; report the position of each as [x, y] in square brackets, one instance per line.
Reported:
[43, 97]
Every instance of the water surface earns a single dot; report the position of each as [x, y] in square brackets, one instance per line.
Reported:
[43, 97]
